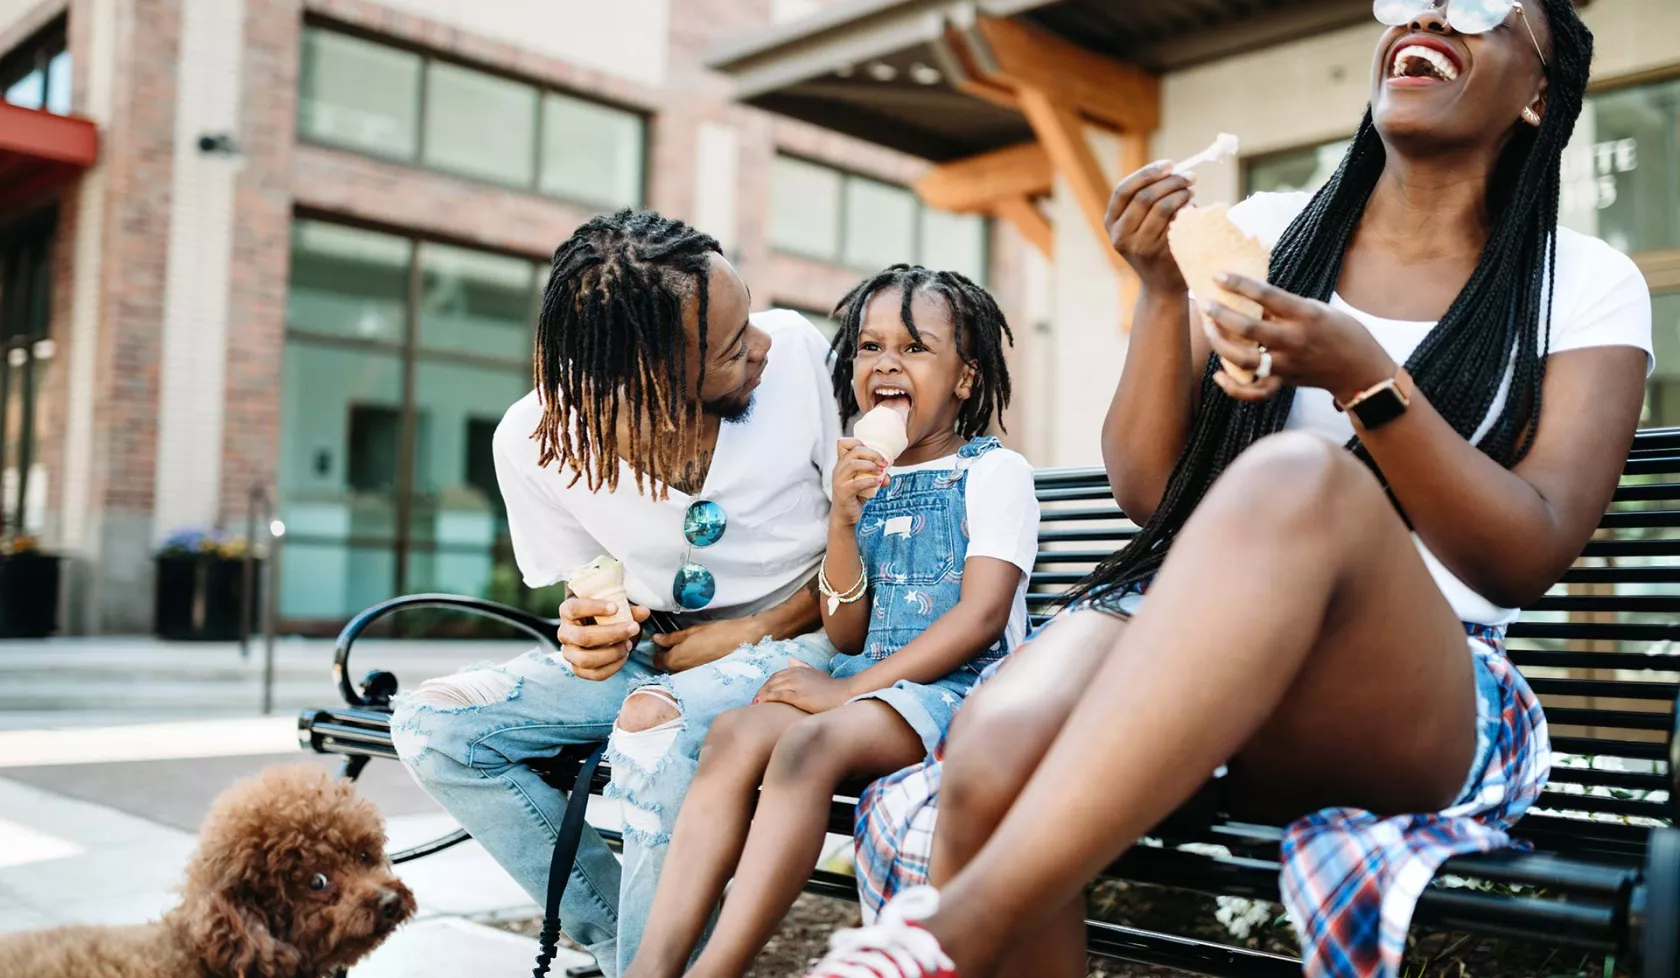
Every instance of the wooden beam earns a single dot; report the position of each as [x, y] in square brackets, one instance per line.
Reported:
[1112, 92]
[975, 183]
[1026, 218]
[1062, 134]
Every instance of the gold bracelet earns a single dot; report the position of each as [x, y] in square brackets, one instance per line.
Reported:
[836, 598]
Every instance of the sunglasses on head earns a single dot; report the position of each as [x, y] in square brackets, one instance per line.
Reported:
[1463, 16]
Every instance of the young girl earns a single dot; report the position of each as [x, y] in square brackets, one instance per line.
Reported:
[924, 585]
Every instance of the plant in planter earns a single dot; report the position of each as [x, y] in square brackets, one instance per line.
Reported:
[28, 588]
[200, 585]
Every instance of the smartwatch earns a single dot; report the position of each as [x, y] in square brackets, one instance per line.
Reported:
[1378, 404]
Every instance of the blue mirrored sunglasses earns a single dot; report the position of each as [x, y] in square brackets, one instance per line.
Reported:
[703, 525]
[1463, 16]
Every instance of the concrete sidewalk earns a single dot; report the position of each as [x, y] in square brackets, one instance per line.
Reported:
[102, 837]
[103, 681]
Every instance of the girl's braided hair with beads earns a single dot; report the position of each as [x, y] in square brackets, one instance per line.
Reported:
[1499, 322]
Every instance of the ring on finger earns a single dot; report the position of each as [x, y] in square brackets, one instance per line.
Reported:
[1264, 370]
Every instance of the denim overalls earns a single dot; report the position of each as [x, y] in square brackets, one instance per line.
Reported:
[913, 538]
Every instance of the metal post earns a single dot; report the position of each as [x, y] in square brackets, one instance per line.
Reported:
[271, 611]
[254, 500]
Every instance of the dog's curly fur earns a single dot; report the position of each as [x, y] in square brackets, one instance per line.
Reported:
[252, 905]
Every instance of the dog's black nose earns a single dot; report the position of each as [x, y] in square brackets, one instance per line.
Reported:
[391, 904]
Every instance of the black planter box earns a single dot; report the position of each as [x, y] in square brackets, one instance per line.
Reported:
[198, 598]
[28, 595]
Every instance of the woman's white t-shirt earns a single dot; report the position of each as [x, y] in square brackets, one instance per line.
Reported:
[1599, 299]
[1002, 519]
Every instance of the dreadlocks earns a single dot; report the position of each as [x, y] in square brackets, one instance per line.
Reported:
[1494, 326]
[981, 329]
[611, 329]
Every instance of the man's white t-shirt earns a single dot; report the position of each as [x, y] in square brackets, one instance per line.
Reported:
[1599, 299]
[770, 473]
[1002, 519]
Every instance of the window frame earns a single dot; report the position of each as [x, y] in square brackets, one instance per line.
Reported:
[542, 88]
[37, 52]
[848, 177]
[410, 353]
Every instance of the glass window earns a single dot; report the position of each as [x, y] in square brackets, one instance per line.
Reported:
[1302, 169]
[372, 382]
[347, 282]
[805, 208]
[591, 152]
[36, 73]
[340, 437]
[458, 521]
[472, 302]
[26, 354]
[30, 91]
[1662, 402]
[479, 125]
[880, 224]
[1621, 172]
[954, 242]
[58, 84]
[359, 94]
[819, 212]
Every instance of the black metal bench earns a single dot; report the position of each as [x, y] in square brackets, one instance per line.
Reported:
[1604, 873]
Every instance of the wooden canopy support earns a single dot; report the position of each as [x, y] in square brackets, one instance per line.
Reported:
[1015, 55]
[1027, 219]
[976, 183]
[1062, 135]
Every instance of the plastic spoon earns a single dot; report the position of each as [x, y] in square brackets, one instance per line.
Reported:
[1224, 146]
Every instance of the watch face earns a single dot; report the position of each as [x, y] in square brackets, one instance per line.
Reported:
[1380, 408]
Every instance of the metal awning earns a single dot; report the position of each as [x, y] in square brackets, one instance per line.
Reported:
[40, 152]
[884, 70]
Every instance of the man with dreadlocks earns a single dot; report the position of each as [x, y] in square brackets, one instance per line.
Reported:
[1325, 625]
[694, 443]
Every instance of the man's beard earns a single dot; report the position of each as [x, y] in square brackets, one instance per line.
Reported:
[731, 410]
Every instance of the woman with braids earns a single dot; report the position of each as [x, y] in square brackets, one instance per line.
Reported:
[939, 543]
[1448, 383]
[641, 441]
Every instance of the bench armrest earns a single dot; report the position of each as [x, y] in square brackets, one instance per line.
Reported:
[539, 628]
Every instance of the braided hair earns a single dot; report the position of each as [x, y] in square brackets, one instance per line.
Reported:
[610, 335]
[1498, 324]
[982, 333]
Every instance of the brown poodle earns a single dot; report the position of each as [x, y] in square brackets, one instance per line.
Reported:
[290, 881]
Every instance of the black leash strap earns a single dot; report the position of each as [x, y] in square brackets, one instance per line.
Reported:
[565, 854]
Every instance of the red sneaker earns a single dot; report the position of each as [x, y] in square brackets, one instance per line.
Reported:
[895, 947]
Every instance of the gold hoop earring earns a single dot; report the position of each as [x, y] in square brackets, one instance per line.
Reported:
[1531, 117]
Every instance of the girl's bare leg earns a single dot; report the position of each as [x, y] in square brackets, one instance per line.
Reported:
[862, 739]
[1295, 629]
[710, 830]
[996, 742]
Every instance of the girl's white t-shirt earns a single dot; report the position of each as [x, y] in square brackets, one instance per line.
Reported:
[1599, 299]
[1002, 519]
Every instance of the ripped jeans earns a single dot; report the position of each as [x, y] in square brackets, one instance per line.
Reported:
[466, 739]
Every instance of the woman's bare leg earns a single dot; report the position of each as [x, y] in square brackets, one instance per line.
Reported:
[1295, 629]
[996, 742]
[709, 834]
[862, 739]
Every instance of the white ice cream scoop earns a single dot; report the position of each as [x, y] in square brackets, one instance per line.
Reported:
[1224, 147]
[882, 432]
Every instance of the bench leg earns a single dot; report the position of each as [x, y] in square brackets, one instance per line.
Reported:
[1661, 917]
[353, 766]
